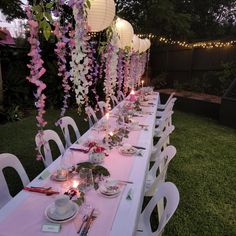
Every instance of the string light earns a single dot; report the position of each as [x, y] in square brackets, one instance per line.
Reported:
[206, 44]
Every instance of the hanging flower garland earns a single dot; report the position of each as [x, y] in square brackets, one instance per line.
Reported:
[111, 56]
[80, 62]
[120, 70]
[62, 52]
[36, 72]
[142, 65]
[134, 69]
[94, 68]
[126, 83]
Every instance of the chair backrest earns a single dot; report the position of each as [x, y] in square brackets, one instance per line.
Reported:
[165, 190]
[10, 160]
[165, 121]
[91, 114]
[161, 163]
[170, 105]
[102, 107]
[163, 106]
[162, 142]
[48, 135]
[64, 124]
[114, 101]
[120, 96]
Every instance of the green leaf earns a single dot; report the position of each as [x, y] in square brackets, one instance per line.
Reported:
[47, 30]
[49, 5]
[48, 17]
[88, 4]
[37, 9]
[39, 16]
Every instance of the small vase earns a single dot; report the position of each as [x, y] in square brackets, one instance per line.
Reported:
[96, 158]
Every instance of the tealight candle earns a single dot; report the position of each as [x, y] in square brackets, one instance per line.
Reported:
[132, 96]
[75, 184]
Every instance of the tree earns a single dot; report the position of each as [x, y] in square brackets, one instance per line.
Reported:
[12, 9]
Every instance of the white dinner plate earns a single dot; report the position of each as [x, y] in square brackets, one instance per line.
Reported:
[53, 217]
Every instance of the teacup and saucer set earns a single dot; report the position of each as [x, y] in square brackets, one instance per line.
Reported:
[127, 150]
[109, 188]
[60, 175]
[62, 210]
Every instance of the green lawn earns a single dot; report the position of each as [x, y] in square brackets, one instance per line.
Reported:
[203, 169]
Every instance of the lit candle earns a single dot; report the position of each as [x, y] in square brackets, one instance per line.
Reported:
[132, 96]
[111, 134]
[142, 83]
[75, 184]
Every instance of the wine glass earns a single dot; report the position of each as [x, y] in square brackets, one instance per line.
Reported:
[85, 179]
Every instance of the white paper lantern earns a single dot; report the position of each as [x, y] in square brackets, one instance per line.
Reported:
[135, 43]
[125, 32]
[148, 43]
[101, 14]
[142, 46]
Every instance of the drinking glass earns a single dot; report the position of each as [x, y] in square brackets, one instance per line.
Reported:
[85, 179]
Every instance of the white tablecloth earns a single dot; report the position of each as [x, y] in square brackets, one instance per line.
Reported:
[24, 214]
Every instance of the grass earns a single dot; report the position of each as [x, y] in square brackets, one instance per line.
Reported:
[203, 169]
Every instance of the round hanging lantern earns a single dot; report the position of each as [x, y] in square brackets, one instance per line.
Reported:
[100, 14]
[135, 43]
[148, 43]
[125, 32]
[142, 46]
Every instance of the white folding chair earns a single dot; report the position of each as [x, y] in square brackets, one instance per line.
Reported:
[168, 191]
[168, 108]
[64, 124]
[120, 96]
[164, 124]
[163, 106]
[161, 166]
[114, 101]
[10, 160]
[161, 144]
[91, 115]
[102, 107]
[48, 135]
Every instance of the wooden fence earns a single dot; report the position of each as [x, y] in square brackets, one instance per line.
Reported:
[183, 64]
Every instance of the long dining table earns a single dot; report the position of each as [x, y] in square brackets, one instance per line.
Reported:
[24, 215]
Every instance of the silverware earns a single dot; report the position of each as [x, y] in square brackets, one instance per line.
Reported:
[87, 225]
[80, 150]
[85, 218]
[142, 148]
[124, 181]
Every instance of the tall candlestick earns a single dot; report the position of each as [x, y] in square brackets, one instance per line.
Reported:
[142, 83]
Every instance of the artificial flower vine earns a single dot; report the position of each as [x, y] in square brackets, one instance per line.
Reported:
[111, 56]
[120, 71]
[80, 61]
[36, 72]
[62, 52]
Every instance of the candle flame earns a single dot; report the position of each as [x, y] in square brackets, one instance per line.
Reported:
[75, 184]
[132, 92]
[111, 134]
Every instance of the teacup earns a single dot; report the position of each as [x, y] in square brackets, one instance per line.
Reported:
[127, 146]
[61, 174]
[62, 205]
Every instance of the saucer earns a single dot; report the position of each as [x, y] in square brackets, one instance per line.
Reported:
[109, 188]
[55, 177]
[128, 152]
[52, 216]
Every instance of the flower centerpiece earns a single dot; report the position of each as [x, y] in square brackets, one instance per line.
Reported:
[96, 154]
